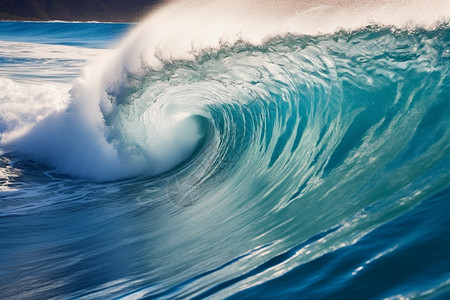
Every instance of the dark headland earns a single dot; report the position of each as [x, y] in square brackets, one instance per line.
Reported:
[76, 10]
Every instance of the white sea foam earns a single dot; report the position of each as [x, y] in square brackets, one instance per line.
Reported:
[23, 105]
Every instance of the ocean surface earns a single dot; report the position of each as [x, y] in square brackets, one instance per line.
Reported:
[198, 154]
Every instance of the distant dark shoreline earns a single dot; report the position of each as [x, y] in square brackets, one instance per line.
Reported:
[65, 21]
[114, 11]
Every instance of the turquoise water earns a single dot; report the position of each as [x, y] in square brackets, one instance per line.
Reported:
[304, 167]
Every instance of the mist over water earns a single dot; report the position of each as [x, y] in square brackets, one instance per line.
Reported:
[223, 149]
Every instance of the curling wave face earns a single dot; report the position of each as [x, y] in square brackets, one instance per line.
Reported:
[130, 116]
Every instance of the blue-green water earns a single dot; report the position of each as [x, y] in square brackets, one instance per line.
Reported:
[305, 167]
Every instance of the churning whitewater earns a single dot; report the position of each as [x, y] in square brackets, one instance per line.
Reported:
[214, 150]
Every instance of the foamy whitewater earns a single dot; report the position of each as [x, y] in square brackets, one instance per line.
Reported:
[225, 149]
